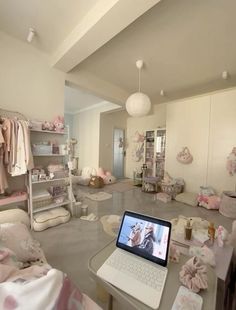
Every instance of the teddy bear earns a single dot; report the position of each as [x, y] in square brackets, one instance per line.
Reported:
[59, 124]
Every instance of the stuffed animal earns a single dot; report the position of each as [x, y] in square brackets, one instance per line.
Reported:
[48, 126]
[222, 235]
[59, 124]
[206, 255]
[107, 177]
[174, 254]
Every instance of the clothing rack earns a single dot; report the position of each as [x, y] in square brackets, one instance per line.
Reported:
[12, 114]
[21, 196]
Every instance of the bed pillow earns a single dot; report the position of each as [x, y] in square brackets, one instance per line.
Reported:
[17, 237]
[14, 216]
[188, 198]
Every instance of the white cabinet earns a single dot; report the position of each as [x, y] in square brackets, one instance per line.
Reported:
[48, 190]
[155, 142]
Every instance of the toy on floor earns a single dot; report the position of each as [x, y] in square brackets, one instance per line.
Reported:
[107, 177]
[208, 199]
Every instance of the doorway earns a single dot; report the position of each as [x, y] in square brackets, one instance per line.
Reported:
[118, 152]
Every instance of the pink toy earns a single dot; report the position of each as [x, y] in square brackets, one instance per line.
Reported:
[59, 124]
[108, 178]
[209, 202]
[222, 235]
[174, 254]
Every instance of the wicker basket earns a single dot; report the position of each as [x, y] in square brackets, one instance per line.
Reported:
[228, 204]
[171, 189]
[39, 203]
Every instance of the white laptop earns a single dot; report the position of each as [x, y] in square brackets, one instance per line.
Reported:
[138, 264]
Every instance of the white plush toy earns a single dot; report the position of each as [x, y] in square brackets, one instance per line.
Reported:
[204, 253]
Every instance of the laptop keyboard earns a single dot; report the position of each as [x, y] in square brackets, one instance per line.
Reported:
[140, 270]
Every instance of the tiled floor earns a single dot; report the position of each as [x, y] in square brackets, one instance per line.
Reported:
[69, 246]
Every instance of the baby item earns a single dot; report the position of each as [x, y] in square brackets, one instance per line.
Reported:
[188, 230]
[222, 235]
[174, 253]
[205, 254]
[193, 275]
[211, 232]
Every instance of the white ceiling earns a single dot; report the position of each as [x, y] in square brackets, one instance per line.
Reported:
[52, 19]
[186, 44]
[77, 100]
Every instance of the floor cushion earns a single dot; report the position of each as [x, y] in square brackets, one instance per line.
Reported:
[50, 218]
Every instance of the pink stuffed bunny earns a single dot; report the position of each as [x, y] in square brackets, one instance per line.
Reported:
[59, 124]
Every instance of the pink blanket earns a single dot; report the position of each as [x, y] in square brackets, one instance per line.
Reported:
[40, 287]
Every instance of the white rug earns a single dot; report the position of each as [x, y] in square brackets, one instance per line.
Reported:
[111, 224]
[99, 196]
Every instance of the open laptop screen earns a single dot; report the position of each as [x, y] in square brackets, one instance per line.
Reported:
[145, 236]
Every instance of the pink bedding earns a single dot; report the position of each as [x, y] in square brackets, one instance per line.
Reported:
[40, 287]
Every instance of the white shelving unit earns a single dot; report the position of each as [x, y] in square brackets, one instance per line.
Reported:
[155, 141]
[67, 181]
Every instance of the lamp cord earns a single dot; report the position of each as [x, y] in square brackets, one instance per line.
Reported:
[139, 80]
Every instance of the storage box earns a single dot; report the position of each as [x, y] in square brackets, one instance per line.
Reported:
[36, 125]
[41, 149]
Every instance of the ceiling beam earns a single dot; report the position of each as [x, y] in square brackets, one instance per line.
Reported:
[105, 20]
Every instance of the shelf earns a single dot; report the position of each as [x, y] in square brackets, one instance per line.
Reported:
[51, 180]
[51, 206]
[47, 155]
[13, 199]
[49, 131]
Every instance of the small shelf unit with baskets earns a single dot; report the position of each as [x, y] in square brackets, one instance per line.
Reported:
[46, 183]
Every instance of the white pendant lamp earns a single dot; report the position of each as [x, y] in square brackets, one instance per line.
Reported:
[138, 104]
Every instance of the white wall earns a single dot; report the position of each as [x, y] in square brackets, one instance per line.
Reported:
[141, 124]
[87, 132]
[108, 122]
[207, 126]
[28, 84]
[222, 139]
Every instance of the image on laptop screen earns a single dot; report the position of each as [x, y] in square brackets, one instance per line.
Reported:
[145, 236]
